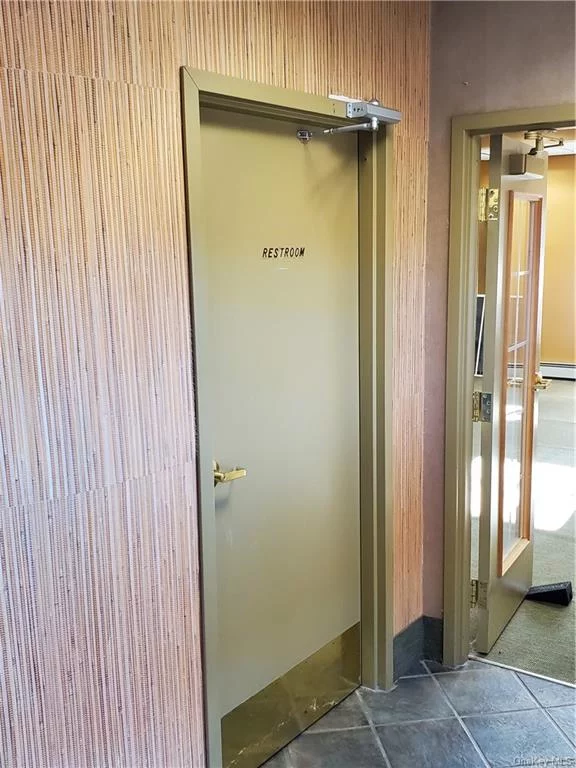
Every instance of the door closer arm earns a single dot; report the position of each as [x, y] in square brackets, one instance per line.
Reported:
[373, 111]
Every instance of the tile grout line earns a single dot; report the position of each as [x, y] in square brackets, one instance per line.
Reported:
[500, 712]
[560, 706]
[462, 723]
[519, 671]
[416, 722]
[412, 677]
[366, 713]
[337, 730]
[453, 671]
[546, 713]
[451, 717]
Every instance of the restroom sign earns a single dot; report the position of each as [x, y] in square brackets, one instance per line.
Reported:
[284, 252]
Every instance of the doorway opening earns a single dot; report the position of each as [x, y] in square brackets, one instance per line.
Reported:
[498, 455]
[539, 636]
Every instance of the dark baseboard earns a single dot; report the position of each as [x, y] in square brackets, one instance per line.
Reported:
[433, 638]
[420, 640]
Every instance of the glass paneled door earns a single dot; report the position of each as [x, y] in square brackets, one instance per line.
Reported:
[521, 281]
[510, 377]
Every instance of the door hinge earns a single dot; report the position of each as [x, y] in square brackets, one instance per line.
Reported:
[488, 204]
[481, 406]
[478, 593]
[473, 593]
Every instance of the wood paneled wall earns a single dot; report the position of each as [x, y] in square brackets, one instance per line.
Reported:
[99, 633]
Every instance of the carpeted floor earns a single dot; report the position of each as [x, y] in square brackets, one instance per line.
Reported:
[541, 638]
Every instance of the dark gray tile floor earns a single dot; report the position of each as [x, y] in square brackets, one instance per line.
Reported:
[476, 716]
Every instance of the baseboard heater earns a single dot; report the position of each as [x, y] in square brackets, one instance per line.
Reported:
[558, 371]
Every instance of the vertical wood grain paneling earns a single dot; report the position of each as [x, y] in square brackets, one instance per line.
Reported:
[88, 681]
[99, 628]
[99, 369]
[99, 602]
[408, 381]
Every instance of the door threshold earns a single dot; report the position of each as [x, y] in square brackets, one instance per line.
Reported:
[473, 657]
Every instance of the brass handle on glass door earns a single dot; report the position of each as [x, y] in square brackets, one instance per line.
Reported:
[227, 477]
[540, 383]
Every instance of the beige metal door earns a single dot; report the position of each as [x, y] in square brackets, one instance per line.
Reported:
[511, 362]
[282, 239]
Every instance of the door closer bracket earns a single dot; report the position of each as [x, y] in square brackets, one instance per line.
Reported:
[373, 111]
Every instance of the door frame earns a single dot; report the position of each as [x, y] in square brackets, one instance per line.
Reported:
[375, 257]
[462, 266]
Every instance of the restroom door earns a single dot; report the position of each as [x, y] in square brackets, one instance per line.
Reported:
[282, 290]
[514, 256]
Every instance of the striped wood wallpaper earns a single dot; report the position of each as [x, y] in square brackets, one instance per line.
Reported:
[99, 644]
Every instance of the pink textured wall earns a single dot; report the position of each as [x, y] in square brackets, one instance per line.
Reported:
[486, 56]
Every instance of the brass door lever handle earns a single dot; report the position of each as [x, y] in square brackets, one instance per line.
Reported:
[227, 477]
[541, 383]
[538, 384]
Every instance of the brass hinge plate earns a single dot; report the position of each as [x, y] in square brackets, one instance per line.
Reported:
[481, 406]
[488, 204]
[478, 593]
[473, 593]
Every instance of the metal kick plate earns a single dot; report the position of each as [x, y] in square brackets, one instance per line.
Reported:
[259, 727]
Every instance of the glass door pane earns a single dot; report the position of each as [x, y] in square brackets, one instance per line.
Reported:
[517, 403]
